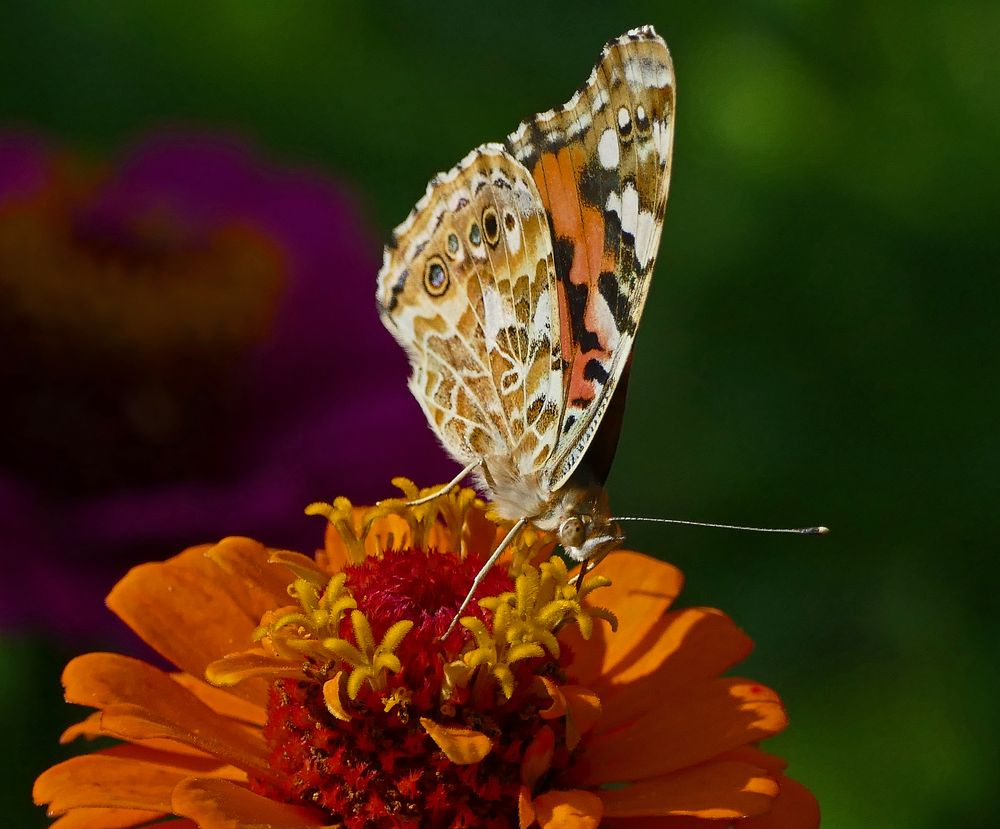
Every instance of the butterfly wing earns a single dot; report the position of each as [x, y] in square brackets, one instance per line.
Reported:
[467, 287]
[601, 164]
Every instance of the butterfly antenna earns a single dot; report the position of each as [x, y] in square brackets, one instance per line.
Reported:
[503, 545]
[792, 530]
[437, 493]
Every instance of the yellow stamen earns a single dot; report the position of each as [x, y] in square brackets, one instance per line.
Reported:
[398, 697]
[526, 620]
[370, 661]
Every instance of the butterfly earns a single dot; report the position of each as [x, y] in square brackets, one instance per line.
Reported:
[516, 286]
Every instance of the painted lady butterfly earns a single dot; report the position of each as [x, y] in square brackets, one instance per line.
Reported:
[516, 285]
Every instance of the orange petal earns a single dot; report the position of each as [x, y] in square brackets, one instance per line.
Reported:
[134, 723]
[97, 818]
[558, 706]
[255, 582]
[673, 822]
[299, 566]
[333, 696]
[222, 701]
[162, 753]
[235, 668]
[182, 607]
[88, 727]
[91, 727]
[218, 804]
[462, 746]
[150, 752]
[100, 780]
[695, 643]
[389, 532]
[537, 756]
[525, 808]
[142, 702]
[574, 809]
[333, 557]
[774, 766]
[717, 790]
[581, 706]
[684, 648]
[794, 808]
[682, 730]
[641, 591]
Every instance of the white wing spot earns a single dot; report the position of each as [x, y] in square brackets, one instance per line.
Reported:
[645, 72]
[643, 236]
[623, 118]
[513, 237]
[661, 137]
[606, 322]
[493, 315]
[541, 321]
[578, 125]
[607, 149]
[639, 224]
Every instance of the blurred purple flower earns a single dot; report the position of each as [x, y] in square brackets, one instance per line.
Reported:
[190, 349]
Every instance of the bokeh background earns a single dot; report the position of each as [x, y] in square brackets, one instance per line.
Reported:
[820, 343]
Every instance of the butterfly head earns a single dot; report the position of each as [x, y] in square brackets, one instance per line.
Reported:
[585, 528]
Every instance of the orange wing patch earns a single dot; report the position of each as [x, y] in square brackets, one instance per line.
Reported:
[580, 225]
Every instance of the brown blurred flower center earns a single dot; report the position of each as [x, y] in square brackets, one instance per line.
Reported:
[119, 343]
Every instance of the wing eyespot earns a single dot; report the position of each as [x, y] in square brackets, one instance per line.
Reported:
[491, 226]
[475, 235]
[436, 277]
[452, 246]
[624, 122]
[641, 119]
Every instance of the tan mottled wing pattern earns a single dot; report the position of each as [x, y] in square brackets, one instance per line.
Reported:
[601, 163]
[467, 287]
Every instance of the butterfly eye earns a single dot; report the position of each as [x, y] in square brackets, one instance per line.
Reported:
[475, 236]
[452, 245]
[491, 225]
[436, 277]
[572, 532]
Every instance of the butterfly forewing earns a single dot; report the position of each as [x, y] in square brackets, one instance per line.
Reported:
[517, 283]
[601, 164]
[467, 289]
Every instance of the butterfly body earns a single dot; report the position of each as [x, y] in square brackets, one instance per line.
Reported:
[516, 285]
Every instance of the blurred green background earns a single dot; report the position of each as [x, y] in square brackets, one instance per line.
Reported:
[820, 344]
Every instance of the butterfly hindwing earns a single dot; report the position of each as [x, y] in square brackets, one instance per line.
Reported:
[601, 164]
[467, 288]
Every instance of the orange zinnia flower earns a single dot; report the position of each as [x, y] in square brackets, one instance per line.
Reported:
[347, 708]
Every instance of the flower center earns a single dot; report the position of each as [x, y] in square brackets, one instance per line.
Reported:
[380, 767]
[425, 587]
[124, 336]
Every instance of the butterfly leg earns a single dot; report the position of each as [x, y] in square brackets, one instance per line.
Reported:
[503, 545]
[447, 487]
[583, 572]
